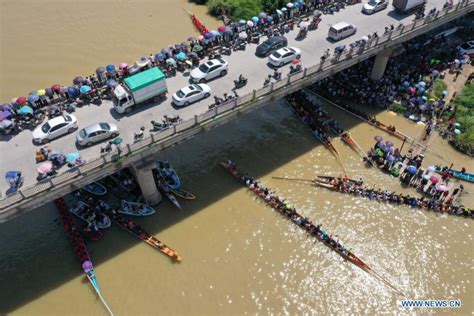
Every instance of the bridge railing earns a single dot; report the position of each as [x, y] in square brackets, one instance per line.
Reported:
[174, 134]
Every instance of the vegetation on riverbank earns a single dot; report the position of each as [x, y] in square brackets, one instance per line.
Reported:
[464, 115]
[241, 9]
[438, 87]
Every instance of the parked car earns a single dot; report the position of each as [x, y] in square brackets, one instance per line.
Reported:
[54, 128]
[191, 93]
[374, 6]
[341, 30]
[96, 133]
[466, 48]
[271, 45]
[210, 70]
[283, 56]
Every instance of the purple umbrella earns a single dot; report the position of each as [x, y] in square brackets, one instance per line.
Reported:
[388, 143]
[391, 158]
[378, 138]
[5, 115]
[87, 266]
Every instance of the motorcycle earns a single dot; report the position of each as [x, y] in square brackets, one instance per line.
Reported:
[255, 39]
[277, 75]
[267, 80]
[173, 120]
[159, 126]
[295, 69]
[238, 45]
[302, 33]
[225, 50]
[138, 136]
[240, 83]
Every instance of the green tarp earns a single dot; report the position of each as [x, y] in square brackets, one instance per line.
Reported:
[145, 78]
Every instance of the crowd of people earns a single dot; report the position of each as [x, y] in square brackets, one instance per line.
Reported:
[408, 77]
[437, 202]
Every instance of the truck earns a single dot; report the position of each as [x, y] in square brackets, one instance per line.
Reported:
[146, 86]
[405, 6]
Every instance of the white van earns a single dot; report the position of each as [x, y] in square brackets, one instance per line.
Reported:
[341, 30]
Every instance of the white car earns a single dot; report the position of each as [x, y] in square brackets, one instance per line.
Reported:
[56, 127]
[209, 70]
[191, 93]
[374, 6]
[466, 48]
[283, 56]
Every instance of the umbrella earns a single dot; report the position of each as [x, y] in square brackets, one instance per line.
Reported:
[456, 61]
[304, 25]
[221, 29]
[317, 13]
[378, 138]
[388, 143]
[249, 23]
[87, 266]
[25, 109]
[426, 177]
[197, 48]
[457, 124]
[72, 91]
[56, 87]
[117, 141]
[100, 70]
[243, 35]
[208, 35]
[71, 157]
[379, 152]
[254, 19]
[49, 92]
[193, 55]
[4, 115]
[78, 80]
[422, 84]
[54, 154]
[215, 33]
[242, 22]
[32, 98]
[279, 12]
[201, 37]
[192, 39]
[431, 168]
[457, 131]
[411, 169]
[262, 15]
[85, 89]
[123, 65]
[406, 84]
[425, 98]
[142, 62]
[180, 56]
[45, 167]
[269, 18]
[5, 123]
[434, 179]
[21, 100]
[296, 4]
[110, 68]
[289, 5]
[284, 9]
[391, 158]
[445, 92]
[5, 107]
[160, 56]
[111, 83]
[32, 92]
[171, 61]
[364, 38]
[440, 187]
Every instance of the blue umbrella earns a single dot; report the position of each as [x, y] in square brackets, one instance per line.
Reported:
[160, 56]
[180, 56]
[254, 19]
[72, 91]
[296, 4]
[71, 157]
[411, 169]
[445, 92]
[110, 68]
[85, 89]
[32, 98]
[25, 110]
[208, 35]
[111, 83]
[422, 84]
[215, 33]
[262, 15]
[269, 18]
[406, 84]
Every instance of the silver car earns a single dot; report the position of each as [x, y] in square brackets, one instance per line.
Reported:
[96, 133]
[209, 70]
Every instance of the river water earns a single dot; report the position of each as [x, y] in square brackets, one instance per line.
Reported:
[239, 256]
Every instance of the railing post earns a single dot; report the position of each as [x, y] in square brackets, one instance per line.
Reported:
[376, 41]
[21, 193]
[129, 149]
[304, 73]
[436, 15]
[271, 87]
[50, 181]
[403, 28]
[288, 81]
[78, 171]
[389, 36]
[254, 93]
[414, 24]
[174, 126]
[215, 114]
[195, 119]
[152, 138]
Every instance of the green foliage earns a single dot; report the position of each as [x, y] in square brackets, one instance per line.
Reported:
[237, 9]
[438, 87]
[464, 114]
[271, 6]
[397, 107]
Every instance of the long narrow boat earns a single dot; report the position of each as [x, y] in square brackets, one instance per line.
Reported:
[326, 142]
[165, 189]
[169, 175]
[201, 28]
[349, 141]
[469, 177]
[140, 233]
[277, 204]
[83, 211]
[80, 248]
[95, 188]
[379, 195]
[183, 194]
[124, 180]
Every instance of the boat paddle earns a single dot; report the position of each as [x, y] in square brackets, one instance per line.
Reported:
[293, 179]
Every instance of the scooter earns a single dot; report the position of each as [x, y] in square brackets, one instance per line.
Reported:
[173, 120]
[225, 50]
[138, 136]
[267, 80]
[295, 69]
[106, 148]
[277, 75]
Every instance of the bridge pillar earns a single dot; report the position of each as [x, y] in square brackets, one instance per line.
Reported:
[380, 63]
[144, 175]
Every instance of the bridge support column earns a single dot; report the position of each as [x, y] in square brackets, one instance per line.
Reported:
[144, 175]
[380, 63]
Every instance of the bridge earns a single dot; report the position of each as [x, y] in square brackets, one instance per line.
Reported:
[140, 155]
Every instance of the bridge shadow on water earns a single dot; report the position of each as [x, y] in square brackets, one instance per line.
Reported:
[36, 256]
